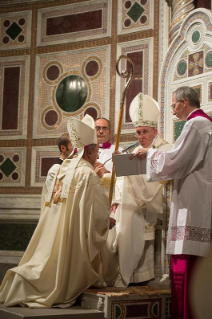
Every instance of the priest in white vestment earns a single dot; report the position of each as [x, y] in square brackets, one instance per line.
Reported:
[67, 252]
[139, 204]
[189, 163]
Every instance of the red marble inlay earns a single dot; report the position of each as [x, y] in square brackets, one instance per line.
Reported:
[91, 68]
[6, 23]
[74, 23]
[127, 4]
[53, 72]
[10, 98]
[202, 4]
[21, 21]
[46, 164]
[137, 310]
[15, 158]
[210, 92]
[143, 19]
[1, 176]
[127, 23]
[136, 84]
[21, 38]
[5, 40]
[92, 112]
[51, 118]
[15, 176]
[143, 2]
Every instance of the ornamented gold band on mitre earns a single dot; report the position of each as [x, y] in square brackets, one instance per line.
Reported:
[145, 123]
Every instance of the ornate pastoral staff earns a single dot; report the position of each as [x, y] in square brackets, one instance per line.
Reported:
[122, 74]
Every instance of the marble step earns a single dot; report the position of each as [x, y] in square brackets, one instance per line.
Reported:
[53, 313]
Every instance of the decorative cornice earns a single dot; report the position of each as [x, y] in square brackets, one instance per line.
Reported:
[5, 3]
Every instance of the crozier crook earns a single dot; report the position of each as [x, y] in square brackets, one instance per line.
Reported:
[122, 74]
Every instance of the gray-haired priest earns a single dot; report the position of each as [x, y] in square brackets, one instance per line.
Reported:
[137, 205]
[67, 251]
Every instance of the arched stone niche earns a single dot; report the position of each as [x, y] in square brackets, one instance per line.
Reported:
[187, 62]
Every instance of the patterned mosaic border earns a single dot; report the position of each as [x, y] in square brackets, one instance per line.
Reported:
[12, 166]
[146, 308]
[23, 64]
[70, 63]
[44, 14]
[146, 46]
[135, 16]
[39, 153]
[15, 30]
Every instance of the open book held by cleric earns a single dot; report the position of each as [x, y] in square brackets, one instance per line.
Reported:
[126, 167]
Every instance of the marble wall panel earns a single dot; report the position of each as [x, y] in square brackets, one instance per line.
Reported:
[15, 30]
[14, 89]
[17, 207]
[12, 166]
[43, 157]
[141, 54]
[57, 75]
[74, 22]
[135, 16]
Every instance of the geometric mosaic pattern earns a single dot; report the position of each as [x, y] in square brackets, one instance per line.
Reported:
[7, 168]
[15, 30]
[74, 22]
[57, 75]
[12, 166]
[14, 88]
[156, 307]
[195, 63]
[136, 15]
[188, 62]
[43, 157]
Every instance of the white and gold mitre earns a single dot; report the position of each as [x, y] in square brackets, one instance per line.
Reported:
[83, 132]
[144, 111]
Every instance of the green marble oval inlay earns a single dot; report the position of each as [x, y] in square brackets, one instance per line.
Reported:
[71, 93]
[209, 59]
[195, 36]
[181, 68]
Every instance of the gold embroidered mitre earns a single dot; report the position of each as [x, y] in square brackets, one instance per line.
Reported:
[83, 132]
[144, 111]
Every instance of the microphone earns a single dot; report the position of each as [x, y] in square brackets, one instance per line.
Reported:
[125, 150]
[131, 146]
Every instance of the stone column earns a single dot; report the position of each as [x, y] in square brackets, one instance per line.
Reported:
[180, 9]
